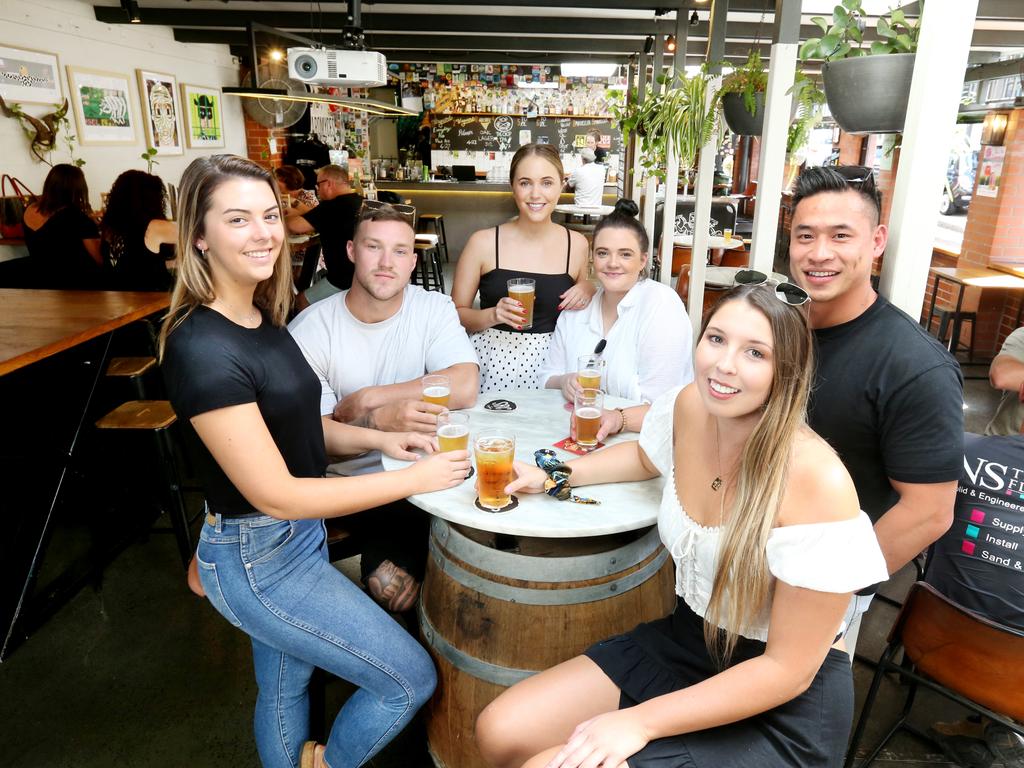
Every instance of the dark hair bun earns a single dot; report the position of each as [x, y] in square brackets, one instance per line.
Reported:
[626, 207]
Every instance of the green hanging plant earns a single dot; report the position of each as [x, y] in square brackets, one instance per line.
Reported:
[748, 80]
[810, 101]
[844, 37]
[150, 157]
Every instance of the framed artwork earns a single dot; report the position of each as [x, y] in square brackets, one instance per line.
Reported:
[102, 106]
[160, 112]
[29, 76]
[204, 120]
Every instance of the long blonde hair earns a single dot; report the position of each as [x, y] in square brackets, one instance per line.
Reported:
[194, 284]
[742, 581]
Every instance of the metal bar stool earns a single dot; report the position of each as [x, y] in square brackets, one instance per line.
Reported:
[133, 369]
[436, 223]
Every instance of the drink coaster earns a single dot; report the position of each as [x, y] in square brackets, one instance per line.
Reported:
[500, 405]
[507, 508]
[570, 445]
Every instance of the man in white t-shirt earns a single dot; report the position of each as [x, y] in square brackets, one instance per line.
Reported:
[1007, 373]
[588, 181]
[370, 346]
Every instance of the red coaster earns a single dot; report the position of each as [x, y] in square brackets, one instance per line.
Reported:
[570, 445]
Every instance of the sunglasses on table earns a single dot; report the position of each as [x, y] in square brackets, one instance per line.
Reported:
[787, 293]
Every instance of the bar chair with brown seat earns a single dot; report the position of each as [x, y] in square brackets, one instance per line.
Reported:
[952, 651]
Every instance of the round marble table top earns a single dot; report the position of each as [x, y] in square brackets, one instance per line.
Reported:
[539, 421]
[714, 241]
[724, 277]
[584, 210]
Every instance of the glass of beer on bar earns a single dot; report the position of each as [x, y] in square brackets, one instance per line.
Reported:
[523, 290]
[587, 413]
[589, 371]
[453, 431]
[494, 451]
[437, 389]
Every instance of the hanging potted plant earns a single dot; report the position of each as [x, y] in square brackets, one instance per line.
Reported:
[742, 95]
[809, 103]
[867, 86]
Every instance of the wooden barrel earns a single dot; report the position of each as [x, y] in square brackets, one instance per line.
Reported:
[493, 613]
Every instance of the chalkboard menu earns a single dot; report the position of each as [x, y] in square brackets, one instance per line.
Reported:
[506, 133]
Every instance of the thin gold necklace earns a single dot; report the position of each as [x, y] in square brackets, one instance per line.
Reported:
[246, 321]
[717, 482]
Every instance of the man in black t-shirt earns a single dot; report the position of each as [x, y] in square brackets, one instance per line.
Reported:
[335, 220]
[887, 396]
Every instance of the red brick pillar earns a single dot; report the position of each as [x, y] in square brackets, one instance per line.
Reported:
[850, 148]
[257, 143]
[995, 232]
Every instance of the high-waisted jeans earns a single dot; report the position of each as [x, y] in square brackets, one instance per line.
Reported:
[271, 579]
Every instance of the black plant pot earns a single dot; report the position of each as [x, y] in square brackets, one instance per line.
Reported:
[739, 120]
[869, 94]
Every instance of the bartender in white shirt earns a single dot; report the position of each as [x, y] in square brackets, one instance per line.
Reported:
[588, 181]
[643, 324]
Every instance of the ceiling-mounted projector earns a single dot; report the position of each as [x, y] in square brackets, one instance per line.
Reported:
[334, 66]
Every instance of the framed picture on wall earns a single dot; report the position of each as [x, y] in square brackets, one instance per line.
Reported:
[102, 106]
[29, 76]
[161, 113]
[204, 120]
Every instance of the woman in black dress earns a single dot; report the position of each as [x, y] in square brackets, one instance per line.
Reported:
[138, 239]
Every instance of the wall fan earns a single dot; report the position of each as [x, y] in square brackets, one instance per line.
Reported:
[274, 113]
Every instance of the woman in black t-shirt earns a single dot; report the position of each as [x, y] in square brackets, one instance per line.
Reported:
[238, 379]
[138, 239]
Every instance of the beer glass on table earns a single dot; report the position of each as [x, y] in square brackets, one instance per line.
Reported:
[587, 414]
[589, 371]
[494, 452]
[437, 389]
[453, 431]
[523, 290]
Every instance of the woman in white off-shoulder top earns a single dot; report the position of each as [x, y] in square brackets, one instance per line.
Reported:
[763, 523]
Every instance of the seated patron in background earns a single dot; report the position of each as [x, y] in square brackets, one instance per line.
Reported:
[290, 180]
[641, 324]
[335, 220]
[887, 396]
[977, 564]
[370, 347]
[1007, 373]
[138, 240]
[762, 522]
[62, 239]
[529, 246]
[587, 181]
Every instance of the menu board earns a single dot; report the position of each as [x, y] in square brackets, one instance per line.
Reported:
[506, 133]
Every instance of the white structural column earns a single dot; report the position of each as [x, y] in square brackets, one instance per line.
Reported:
[703, 189]
[635, 167]
[651, 188]
[778, 105]
[668, 213]
[942, 50]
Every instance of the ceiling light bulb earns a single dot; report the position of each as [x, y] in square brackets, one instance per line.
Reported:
[276, 54]
[670, 44]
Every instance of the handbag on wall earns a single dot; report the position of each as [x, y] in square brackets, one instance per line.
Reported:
[12, 207]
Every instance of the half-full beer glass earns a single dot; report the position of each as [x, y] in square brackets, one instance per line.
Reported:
[494, 452]
[437, 389]
[523, 290]
[589, 371]
[587, 413]
[453, 431]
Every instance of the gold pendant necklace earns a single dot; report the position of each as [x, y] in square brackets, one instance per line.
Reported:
[717, 482]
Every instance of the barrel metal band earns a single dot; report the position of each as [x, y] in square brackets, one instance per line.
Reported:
[524, 596]
[478, 668]
[554, 569]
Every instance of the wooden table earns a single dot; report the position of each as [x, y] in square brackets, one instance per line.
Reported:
[507, 594]
[36, 326]
[972, 277]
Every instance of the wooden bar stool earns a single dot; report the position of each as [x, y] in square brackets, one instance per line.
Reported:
[428, 270]
[436, 223]
[133, 369]
[156, 417]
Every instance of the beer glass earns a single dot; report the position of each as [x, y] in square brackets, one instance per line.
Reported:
[523, 290]
[437, 389]
[453, 431]
[589, 371]
[587, 413]
[494, 452]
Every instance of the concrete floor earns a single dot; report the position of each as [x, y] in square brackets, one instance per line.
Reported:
[139, 672]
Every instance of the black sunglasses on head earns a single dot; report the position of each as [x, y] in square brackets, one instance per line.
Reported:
[790, 294]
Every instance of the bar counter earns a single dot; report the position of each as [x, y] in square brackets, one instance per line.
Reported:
[467, 205]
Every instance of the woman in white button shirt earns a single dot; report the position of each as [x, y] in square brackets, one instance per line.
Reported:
[647, 334]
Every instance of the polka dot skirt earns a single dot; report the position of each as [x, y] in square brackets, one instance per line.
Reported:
[510, 360]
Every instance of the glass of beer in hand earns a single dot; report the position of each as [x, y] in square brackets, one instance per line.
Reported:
[437, 389]
[453, 431]
[587, 414]
[589, 371]
[494, 452]
[523, 290]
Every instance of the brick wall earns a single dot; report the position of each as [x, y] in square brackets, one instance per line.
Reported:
[850, 148]
[257, 142]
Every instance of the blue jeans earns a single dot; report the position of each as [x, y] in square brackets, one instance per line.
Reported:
[271, 579]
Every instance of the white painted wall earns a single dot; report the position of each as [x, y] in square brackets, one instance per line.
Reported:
[69, 29]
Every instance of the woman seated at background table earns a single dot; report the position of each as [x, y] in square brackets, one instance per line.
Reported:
[237, 378]
[62, 239]
[531, 245]
[290, 180]
[640, 324]
[138, 239]
[762, 521]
